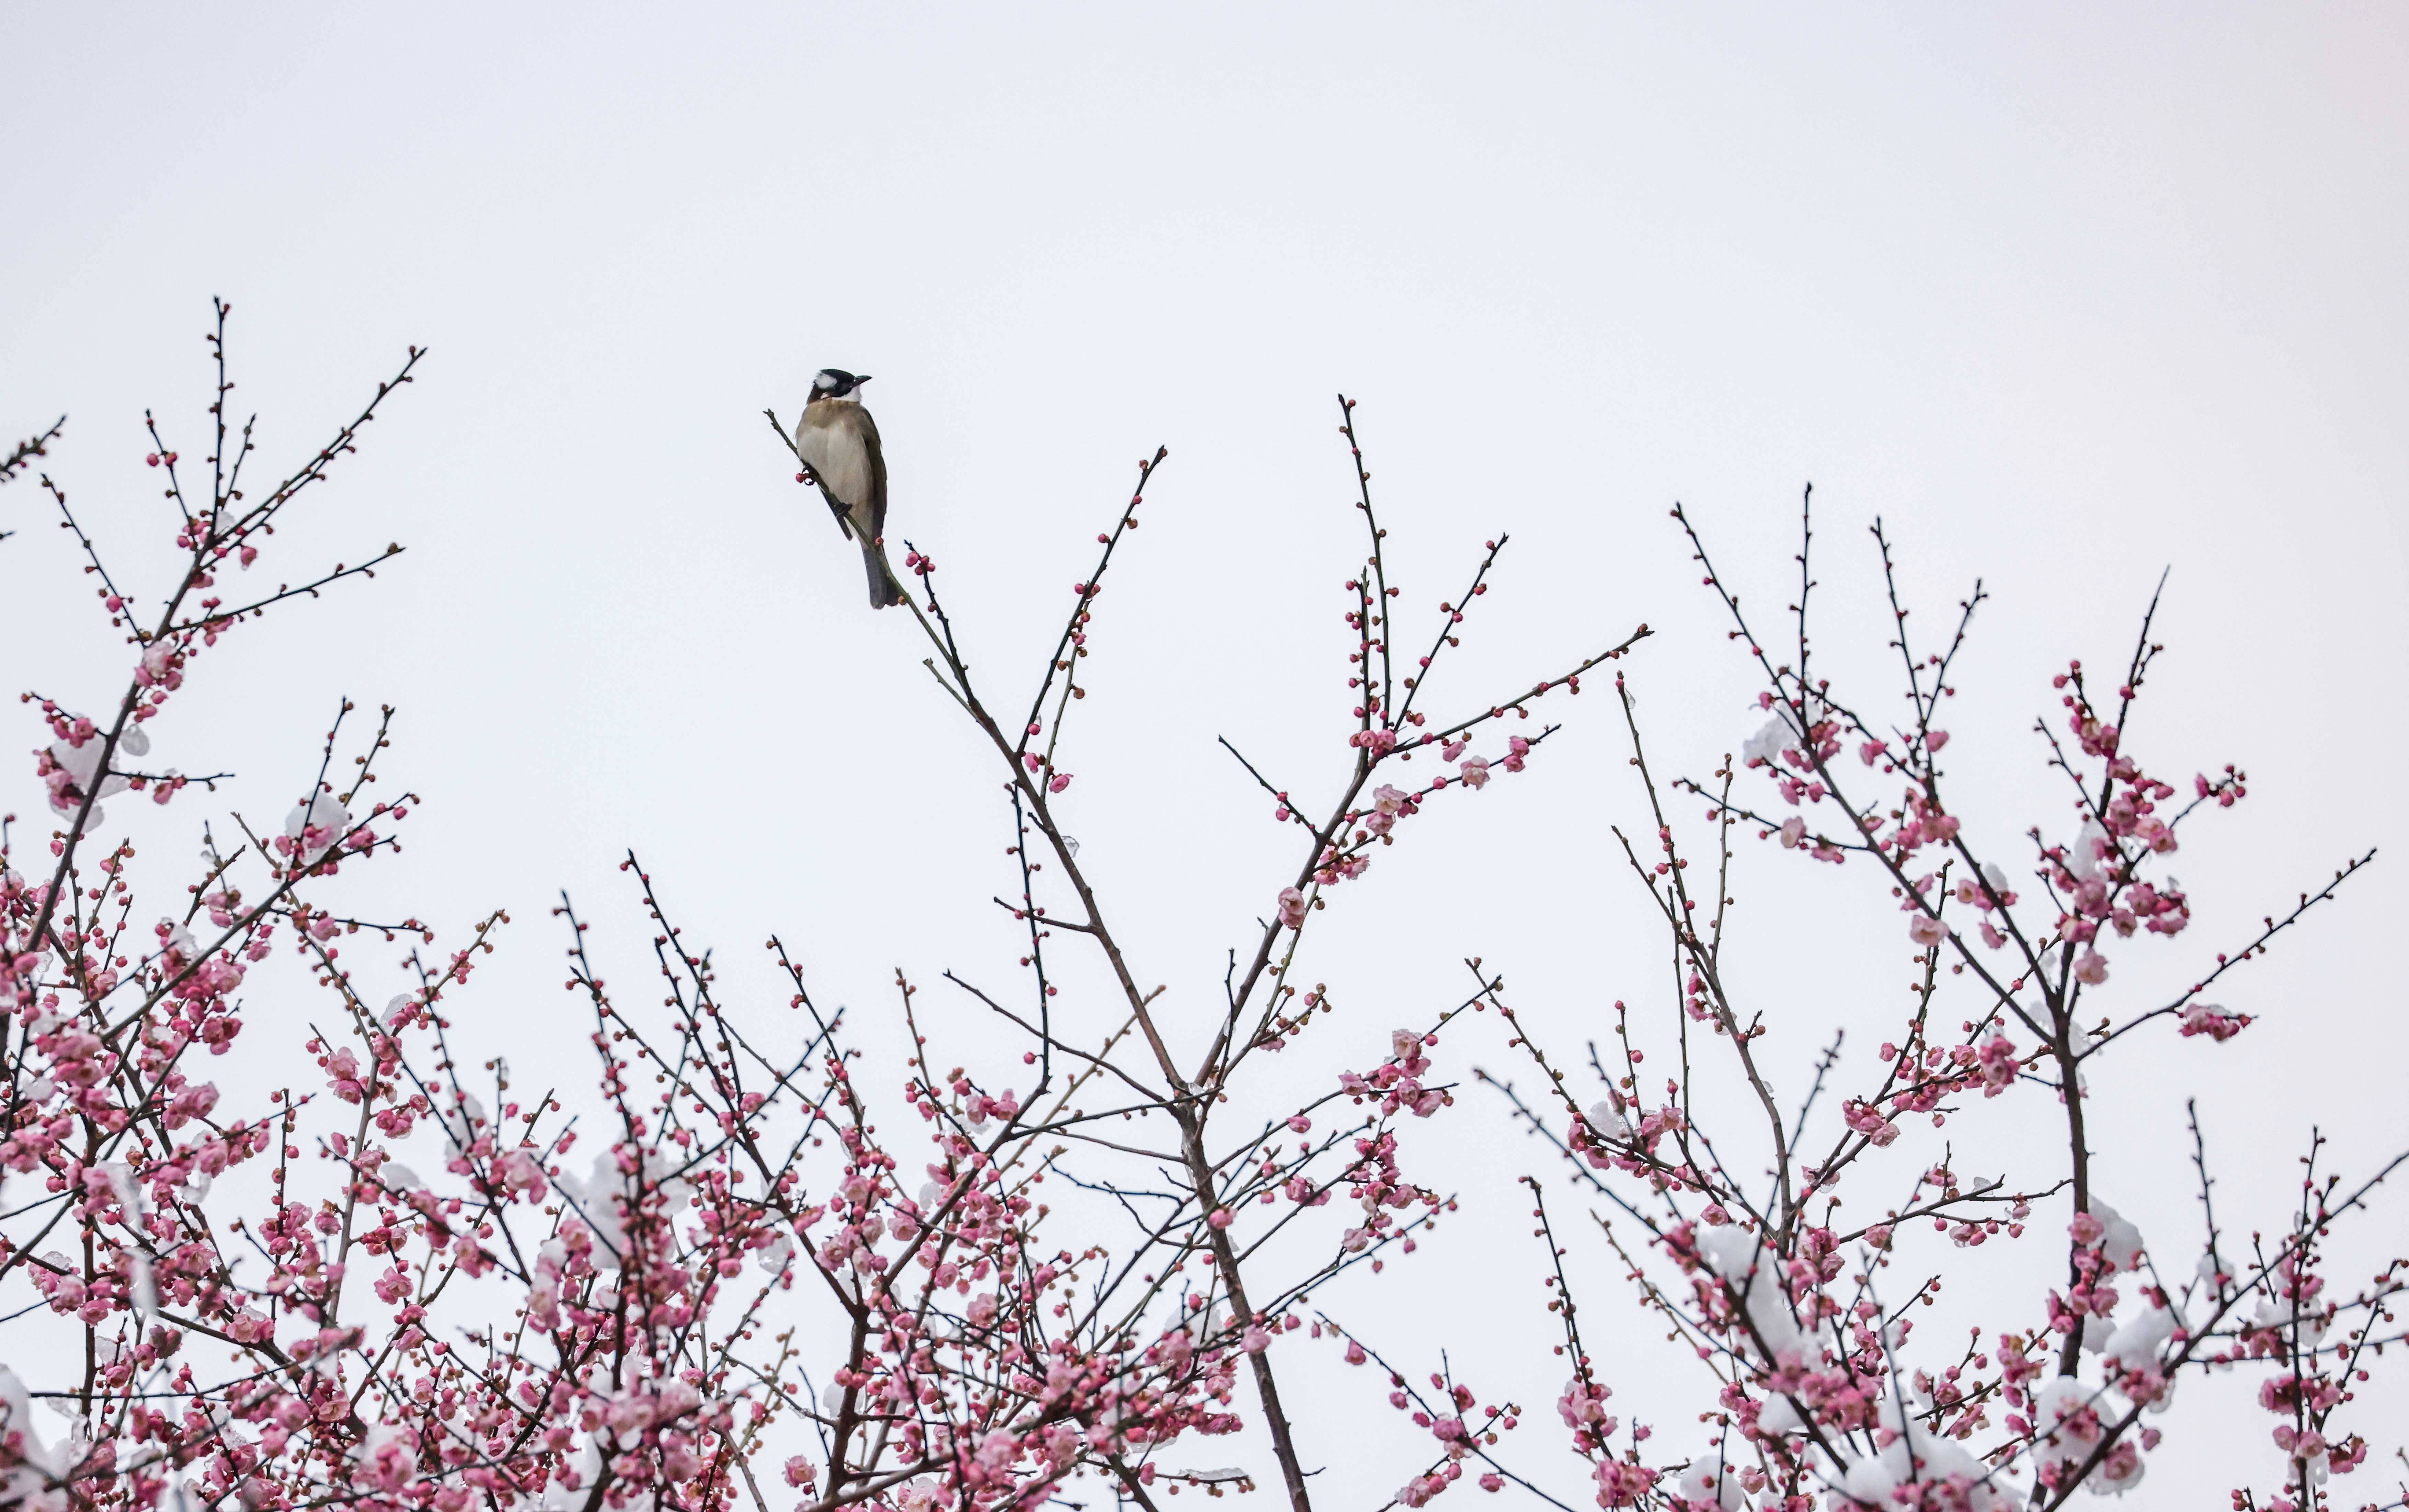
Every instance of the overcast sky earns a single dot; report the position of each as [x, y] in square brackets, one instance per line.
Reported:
[2067, 294]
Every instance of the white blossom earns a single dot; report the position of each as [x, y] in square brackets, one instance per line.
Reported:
[324, 813]
[2082, 856]
[1709, 1483]
[1769, 743]
[1752, 1272]
[2121, 1240]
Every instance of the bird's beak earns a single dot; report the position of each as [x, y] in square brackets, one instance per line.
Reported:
[863, 379]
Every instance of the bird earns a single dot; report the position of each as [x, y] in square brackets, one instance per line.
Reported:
[838, 441]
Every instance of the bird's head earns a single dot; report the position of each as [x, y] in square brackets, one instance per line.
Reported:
[836, 383]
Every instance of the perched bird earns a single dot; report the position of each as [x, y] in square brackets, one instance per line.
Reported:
[838, 441]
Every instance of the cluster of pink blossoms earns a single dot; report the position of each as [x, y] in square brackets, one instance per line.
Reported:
[728, 1258]
[1823, 1398]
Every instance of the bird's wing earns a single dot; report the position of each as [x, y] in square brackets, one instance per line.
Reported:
[877, 495]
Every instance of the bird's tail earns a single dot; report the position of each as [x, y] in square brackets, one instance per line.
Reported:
[883, 589]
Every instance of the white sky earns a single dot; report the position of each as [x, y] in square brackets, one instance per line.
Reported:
[2066, 294]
